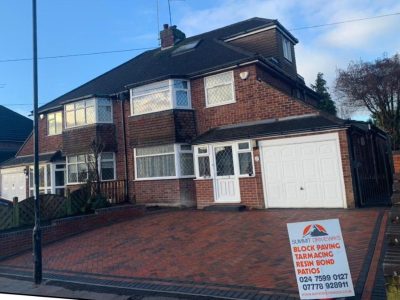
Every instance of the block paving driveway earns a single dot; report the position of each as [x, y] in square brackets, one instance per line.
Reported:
[230, 249]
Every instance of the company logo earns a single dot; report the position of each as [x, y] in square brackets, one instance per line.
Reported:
[314, 230]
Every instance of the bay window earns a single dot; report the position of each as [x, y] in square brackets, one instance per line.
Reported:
[159, 96]
[54, 123]
[51, 179]
[219, 89]
[87, 112]
[166, 161]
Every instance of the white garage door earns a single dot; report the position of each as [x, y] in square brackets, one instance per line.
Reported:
[12, 183]
[303, 172]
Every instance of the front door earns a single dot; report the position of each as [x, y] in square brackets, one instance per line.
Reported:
[226, 182]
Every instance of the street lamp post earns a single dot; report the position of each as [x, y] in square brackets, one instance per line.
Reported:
[37, 234]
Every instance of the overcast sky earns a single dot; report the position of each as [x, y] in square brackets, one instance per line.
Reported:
[83, 26]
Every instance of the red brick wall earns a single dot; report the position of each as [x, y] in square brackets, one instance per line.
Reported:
[78, 140]
[47, 143]
[18, 241]
[346, 166]
[175, 192]
[255, 100]
[252, 190]
[204, 191]
[396, 161]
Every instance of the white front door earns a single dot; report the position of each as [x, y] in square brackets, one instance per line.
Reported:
[226, 181]
[303, 172]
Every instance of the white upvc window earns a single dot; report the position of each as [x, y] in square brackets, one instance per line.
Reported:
[164, 162]
[79, 166]
[159, 96]
[203, 167]
[245, 158]
[85, 112]
[54, 123]
[287, 49]
[107, 166]
[219, 89]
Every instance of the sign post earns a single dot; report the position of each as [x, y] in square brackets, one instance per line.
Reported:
[320, 260]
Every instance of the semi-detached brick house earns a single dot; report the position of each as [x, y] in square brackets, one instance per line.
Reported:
[217, 118]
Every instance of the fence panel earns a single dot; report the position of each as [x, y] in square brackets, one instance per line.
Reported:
[26, 212]
[52, 207]
[6, 217]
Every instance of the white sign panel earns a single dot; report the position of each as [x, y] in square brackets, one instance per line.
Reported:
[320, 260]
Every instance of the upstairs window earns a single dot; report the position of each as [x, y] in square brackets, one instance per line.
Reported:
[287, 49]
[88, 112]
[159, 96]
[219, 89]
[54, 123]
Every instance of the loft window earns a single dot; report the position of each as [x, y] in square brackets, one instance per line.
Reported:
[287, 49]
[219, 89]
[88, 112]
[54, 123]
[159, 96]
[163, 162]
[185, 48]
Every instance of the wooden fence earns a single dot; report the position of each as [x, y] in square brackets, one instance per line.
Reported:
[55, 206]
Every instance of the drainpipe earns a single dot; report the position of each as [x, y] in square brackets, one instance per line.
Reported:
[126, 188]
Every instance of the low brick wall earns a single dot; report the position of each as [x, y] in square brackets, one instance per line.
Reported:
[396, 161]
[18, 241]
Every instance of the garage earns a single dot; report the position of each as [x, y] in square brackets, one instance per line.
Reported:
[12, 183]
[303, 172]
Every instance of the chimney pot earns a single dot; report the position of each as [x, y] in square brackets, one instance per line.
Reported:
[166, 26]
[170, 36]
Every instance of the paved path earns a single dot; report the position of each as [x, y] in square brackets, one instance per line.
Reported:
[198, 249]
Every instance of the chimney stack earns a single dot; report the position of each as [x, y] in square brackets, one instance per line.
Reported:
[170, 36]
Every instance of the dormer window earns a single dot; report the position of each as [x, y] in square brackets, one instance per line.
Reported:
[88, 112]
[287, 49]
[159, 96]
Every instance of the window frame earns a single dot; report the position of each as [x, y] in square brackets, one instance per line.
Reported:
[108, 160]
[248, 150]
[287, 49]
[87, 162]
[178, 173]
[169, 87]
[232, 87]
[196, 161]
[54, 114]
[96, 112]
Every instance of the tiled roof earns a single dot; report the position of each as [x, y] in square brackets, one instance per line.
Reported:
[210, 54]
[268, 128]
[14, 127]
[4, 155]
[26, 160]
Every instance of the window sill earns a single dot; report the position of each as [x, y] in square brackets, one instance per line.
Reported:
[87, 125]
[163, 178]
[222, 104]
[55, 134]
[160, 111]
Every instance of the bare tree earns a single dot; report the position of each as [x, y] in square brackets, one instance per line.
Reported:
[374, 86]
[96, 147]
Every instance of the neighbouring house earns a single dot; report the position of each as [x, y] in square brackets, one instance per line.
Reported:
[15, 129]
[214, 119]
